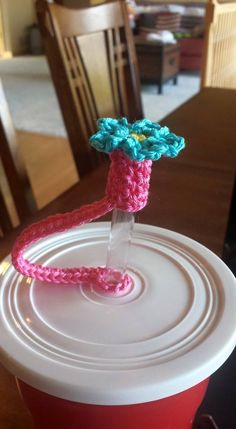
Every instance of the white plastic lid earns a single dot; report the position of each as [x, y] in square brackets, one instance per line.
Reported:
[171, 331]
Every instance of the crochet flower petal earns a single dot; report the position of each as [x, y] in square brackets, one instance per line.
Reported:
[141, 140]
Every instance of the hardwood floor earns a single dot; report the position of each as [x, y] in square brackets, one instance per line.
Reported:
[49, 165]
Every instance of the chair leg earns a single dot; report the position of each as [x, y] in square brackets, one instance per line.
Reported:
[175, 80]
[205, 421]
[160, 88]
[5, 224]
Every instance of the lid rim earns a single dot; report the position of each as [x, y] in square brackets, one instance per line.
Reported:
[188, 373]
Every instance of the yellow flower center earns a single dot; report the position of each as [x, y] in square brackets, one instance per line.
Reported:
[139, 137]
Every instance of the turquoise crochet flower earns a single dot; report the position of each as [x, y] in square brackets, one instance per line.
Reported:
[141, 140]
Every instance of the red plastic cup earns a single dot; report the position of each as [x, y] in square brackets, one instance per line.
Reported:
[84, 359]
[174, 412]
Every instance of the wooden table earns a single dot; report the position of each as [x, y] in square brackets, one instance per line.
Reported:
[158, 62]
[191, 200]
[191, 195]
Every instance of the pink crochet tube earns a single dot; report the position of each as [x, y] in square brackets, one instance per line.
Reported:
[127, 189]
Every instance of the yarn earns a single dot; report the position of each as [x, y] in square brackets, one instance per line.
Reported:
[140, 141]
[132, 148]
[128, 182]
[127, 189]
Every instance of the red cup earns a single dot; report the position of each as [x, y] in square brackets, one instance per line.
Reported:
[177, 411]
[84, 359]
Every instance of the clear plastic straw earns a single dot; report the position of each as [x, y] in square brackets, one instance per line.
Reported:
[119, 241]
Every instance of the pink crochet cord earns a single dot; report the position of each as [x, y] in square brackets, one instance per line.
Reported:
[127, 189]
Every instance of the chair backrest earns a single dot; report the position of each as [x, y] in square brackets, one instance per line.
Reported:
[219, 58]
[93, 64]
[11, 167]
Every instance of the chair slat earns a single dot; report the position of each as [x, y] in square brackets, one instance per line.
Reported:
[79, 84]
[120, 72]
[87, 92]
[219, 59]
[93, 64]
[109, 35]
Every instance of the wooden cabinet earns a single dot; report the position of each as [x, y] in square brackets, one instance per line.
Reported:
[158, 63]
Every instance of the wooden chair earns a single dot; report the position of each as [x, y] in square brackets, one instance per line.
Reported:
[26, 181]
[204, 421]
[12, 167]
[219, 59]
[93, 64]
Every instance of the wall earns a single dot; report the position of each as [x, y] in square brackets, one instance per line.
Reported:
[18, 15]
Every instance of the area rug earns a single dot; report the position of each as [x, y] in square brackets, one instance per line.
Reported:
[34, 106]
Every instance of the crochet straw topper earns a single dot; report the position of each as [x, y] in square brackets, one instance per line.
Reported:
[132, 148]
